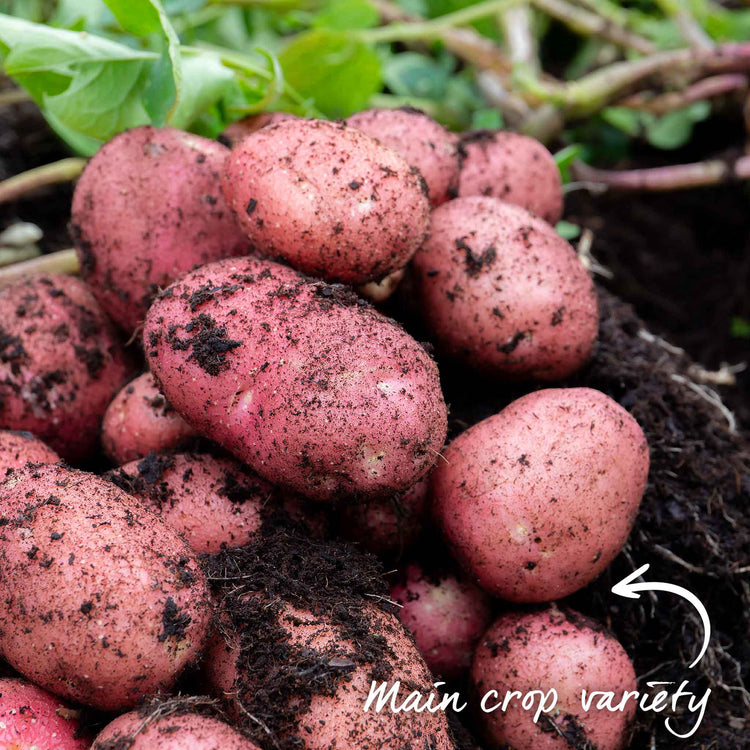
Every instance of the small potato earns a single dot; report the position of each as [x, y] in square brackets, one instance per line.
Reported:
[513, 167]
[501, 291]
[548, 650]
[102, 602]
[33, 719]
[132, 731]
[236, 131]
[424, 144]
[147, 209]
[61, 363]
[20, 448]
[537, 500]
[328, 199]
[140, 420]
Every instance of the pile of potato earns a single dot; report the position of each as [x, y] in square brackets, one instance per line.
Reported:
[268, 384]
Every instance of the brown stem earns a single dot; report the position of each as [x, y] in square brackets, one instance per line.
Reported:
[66, 170]
[63, 261]
[708, 88]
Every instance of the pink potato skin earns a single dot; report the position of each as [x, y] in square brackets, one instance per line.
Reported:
[446, 615]
[500, 290]
[103, 602]
[328, 199]
[147, 209]
[302, 381]
[20, 448]
[545, 650]
[140, 420]
[61, 363]
[537, 500]
[33, 719]
[513, 167]
[424, 144]
[181, 732]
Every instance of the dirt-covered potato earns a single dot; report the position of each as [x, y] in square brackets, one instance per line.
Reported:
[500, 290]
[537, 500]
[61, 363]
[147, 209]
[303, 381]
[140, 420]
[102, 602]
[512, 167]
[20, 448]
[552, 650]
[424, 144]
[328, 199]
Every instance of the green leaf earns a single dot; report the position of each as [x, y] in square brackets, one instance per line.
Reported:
[414, 75]
[624, 119]
[81, 15]
[338, 72]
[565, 157]
[486, 119]
[343, 15]
[740, 328]
[674, 129]
[567, 230]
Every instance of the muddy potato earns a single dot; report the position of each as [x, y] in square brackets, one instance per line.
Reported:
[537, 500]
[20, 448]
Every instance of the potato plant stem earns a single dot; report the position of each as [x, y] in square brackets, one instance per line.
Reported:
[63, 261]
[19, 185]
[14, 96]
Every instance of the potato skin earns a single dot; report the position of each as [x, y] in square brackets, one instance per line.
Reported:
[500, 290]
[302, 381]
[514, 167]
[103, 602]
[236, 131]
[424, 144]
[60, 363]
[328, 199]
[20, 448]
[537, 500]
[560, 650]
[140, 420]
[146, 210]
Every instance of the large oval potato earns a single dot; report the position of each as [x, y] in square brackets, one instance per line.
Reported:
[303, 381]
[537, 500]
[328, 199]
[500, 290]
[102, 602]
[20, 448]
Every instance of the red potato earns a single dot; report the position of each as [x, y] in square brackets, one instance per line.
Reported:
[102, 602]
[537, 500]
[328, 199]
[236, 131]
[33, 719]
[447, 616]
[147, 209]
[189, 731]
[20, 448]
[61, 363]
[140, 420]
[549, 650]
[513, 167]
[302, 381]
[424, 144]
[500, 290]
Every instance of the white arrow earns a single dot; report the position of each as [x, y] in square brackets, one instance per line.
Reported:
[626, 587]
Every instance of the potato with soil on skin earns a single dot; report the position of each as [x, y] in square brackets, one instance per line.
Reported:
[328, 199]
[236, 131]
[147, 209]
[424, 144]
[19, 448]
[556, 650]
[302, 381]
[186, 731]
[61, 363]
[140, 420]
[33, 719]
[537, 500]
[445, 613]
[513, 167]
[102, 602]
[501, 291]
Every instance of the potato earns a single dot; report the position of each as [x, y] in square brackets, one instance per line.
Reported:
[424, 144]
[146, 210]
[513, 167]
[236, 131]
[446, 614]
[547, 650]
[140, 420]
[328, 199]
[302, 381]
[20, 448]
[102, 602]
[32, 718]
[187, 731]
[60, 363]
[501, 291]
[537, 500]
